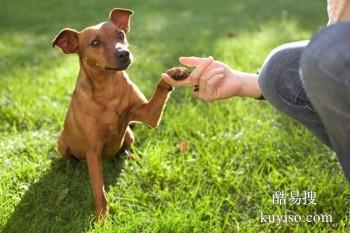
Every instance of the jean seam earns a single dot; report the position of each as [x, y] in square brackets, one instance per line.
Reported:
[307, 103]
[287, 108]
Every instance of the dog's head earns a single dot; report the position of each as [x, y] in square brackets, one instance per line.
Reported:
[103, 46]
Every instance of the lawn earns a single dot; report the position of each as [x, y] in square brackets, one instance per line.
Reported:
[239, 151]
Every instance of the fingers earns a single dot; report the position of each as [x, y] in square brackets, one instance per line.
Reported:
[211, 92]
[191, 61]
[203, 81]
[199, 70]
[211, 87]
[199, 77]
[182, 83]
[209, 83]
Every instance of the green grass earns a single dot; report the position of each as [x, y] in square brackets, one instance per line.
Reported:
[240, 150]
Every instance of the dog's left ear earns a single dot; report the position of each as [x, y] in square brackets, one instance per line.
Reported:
[121, 18]
[68, 40]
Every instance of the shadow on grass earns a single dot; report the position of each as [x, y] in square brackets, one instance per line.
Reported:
[61, 201]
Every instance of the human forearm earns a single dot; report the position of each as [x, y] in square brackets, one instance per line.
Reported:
[249, 84]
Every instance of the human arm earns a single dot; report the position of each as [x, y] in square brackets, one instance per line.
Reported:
[217, 80]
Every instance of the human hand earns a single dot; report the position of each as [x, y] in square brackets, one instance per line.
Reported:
[216, 80]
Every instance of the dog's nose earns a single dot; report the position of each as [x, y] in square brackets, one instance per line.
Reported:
[123, 55]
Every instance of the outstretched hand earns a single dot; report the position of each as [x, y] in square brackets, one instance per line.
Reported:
[216, 80]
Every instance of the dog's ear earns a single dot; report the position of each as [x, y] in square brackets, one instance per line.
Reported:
[67, 39]
[121, 18]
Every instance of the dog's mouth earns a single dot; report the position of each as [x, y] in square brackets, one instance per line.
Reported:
[119, 68]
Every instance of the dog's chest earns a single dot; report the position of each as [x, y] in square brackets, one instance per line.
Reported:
[114, 133]
[116, 122]
[109, 118]
[112, 116]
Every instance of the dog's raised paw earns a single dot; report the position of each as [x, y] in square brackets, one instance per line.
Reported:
[178, 73]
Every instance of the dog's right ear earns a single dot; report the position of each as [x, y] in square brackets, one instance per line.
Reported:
[121, 18]
[68, 40]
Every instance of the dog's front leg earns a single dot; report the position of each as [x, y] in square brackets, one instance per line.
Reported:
[150, 112]
[94, 163]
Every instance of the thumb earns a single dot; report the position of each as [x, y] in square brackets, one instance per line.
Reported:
[191, 61]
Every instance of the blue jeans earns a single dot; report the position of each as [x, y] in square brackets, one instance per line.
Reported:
[310, 82]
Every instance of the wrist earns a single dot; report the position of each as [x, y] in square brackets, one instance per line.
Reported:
[249, 86]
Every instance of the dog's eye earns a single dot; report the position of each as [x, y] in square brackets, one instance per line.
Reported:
[95, 43]
[120, 36]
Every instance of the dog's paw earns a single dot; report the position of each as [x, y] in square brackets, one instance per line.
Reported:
[178, 73]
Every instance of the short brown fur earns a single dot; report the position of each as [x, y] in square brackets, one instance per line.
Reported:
[104, 101]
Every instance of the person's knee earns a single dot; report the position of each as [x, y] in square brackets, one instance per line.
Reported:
[327, 55]
[275, 75]
[269, 74]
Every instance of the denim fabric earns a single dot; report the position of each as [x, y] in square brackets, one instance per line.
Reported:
[325, 68]
[281, 85]
[310, 82]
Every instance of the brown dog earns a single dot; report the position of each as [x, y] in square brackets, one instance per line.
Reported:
[105, 101]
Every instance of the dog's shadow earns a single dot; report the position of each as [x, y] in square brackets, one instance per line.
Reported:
[60, 197]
